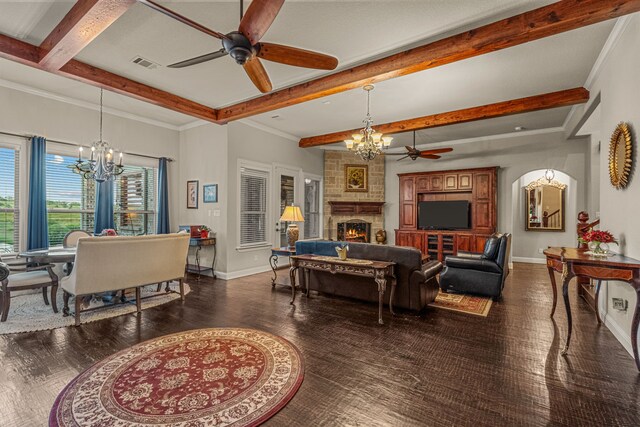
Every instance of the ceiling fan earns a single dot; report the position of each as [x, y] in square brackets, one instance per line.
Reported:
[245, 46]
[414, 153]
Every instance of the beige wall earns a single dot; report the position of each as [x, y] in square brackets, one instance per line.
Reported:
[334, 189]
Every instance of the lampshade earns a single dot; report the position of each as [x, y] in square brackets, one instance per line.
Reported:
[292, 214]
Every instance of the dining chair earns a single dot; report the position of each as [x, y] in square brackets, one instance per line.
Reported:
[71, 238]
[26, 277]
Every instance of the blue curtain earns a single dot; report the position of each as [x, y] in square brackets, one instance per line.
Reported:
[104, 206]
[37, 227]
[162, 226]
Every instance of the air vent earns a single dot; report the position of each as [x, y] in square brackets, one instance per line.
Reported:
[144, 62]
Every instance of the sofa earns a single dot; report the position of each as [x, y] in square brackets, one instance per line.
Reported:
[104, 264]
[416, 286]
[479, 273]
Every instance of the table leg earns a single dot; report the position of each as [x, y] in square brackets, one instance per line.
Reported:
[273, 262]
[198, 261]
[307, 277]
[381, 280]
[566, 278]
[634, 323]
[292, 278]
[394, 281]
[213, 263]
[552, 276]
[598, 285]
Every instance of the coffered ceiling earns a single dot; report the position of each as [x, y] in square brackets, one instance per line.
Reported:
[353, 31]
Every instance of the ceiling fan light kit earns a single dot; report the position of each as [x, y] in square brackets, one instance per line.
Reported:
[244, 45]
[414, 153]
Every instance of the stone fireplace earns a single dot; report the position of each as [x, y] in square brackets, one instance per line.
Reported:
[354, 230]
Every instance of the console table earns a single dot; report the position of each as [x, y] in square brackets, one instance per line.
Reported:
[199, 243]
[380, 271]
[573, 262]
[273, 261]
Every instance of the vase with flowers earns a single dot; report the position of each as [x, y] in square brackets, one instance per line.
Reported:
[598, 241]
[204, 231]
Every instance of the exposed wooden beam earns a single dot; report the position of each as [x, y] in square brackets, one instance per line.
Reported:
[546, 21]
[83, 23]
[562, 98]
[27, 54]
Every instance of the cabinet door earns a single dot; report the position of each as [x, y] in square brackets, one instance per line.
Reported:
[482, 215]
[401, 238]
[482, 185]
[480, 241]
[422, 183]
[465, 181]
[451, 181]
[407, 190]
[464, 242]
[435, 182]
[407, 203]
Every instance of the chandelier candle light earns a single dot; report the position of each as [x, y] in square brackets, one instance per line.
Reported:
[101, 166]
[368, 143]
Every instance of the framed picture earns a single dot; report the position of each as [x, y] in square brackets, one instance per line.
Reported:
[356, 178]
[210, 193]
[192, 194]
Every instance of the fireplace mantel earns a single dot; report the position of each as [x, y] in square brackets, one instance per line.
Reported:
[353, 208]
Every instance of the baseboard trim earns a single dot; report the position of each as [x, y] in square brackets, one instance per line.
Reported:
[619, 333]
[241, 273]
[528, 260]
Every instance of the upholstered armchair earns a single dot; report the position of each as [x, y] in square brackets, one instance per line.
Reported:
[28, 278]
[71, 238]
[480, 274]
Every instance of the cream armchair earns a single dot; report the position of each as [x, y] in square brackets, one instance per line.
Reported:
[105, 264]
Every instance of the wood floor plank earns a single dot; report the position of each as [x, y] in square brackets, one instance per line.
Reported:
[440, 369]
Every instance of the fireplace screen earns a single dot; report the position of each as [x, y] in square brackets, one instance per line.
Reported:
[354, 230]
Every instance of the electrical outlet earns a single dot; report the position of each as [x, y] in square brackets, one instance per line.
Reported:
[209, 212]
[540, 250]
[620, 304]
[216, 212]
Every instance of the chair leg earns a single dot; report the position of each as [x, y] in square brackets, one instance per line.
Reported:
[44, 295]
[65, 298]
[6, 302]
[138, 300]
[123, 297]
[159, 287]
[54, 297]
[181, 282]
[78, 308]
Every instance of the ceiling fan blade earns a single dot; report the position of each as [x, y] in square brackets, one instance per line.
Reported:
[258, 75]
[296, 56]
[171, 14]
[402, 158]
[395, 154]
[258, 18]
[199, 59]
[437, 151]
[429, 156]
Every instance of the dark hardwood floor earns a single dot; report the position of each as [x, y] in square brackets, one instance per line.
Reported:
[443, 368]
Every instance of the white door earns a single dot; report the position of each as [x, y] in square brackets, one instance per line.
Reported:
[288, 192]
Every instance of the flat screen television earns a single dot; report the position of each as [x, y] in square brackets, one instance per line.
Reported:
[444, 215]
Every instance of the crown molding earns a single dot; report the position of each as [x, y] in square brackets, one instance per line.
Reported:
[84, 104]
[193, 124]
[269, 129]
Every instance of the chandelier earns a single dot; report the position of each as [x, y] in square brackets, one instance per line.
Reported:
[101, 166]
[368, 143]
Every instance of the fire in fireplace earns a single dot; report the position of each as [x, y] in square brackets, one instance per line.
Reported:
[354, 230]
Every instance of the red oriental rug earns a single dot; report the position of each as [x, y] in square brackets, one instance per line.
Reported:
[203, 377]
[468, 304]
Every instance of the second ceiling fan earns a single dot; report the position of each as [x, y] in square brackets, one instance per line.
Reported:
[245, 46]
[414, 153]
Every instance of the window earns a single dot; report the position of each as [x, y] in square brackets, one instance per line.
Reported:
[311, 208]
[253, 206]
[9, 192]
[135, 201]
[71, 200]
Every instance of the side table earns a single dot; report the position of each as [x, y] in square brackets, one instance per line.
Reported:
[273, 262]
[199, 243]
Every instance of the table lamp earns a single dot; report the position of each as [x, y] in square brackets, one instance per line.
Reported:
[292, 214]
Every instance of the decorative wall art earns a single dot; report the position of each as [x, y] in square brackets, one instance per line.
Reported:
[210, 193]
[356, 178]
[620, 156]
[192, 194]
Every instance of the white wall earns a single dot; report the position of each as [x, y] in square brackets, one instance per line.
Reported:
[515, 156]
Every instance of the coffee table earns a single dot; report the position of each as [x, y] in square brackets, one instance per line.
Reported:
[380, 271]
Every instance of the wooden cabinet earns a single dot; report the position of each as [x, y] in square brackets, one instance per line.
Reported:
[477, 186]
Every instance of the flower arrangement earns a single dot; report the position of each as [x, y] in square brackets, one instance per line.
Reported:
[598, 241]
[204, 231]
[108, 232]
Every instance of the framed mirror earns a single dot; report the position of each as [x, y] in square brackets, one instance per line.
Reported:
[620, 156]
[544, 205]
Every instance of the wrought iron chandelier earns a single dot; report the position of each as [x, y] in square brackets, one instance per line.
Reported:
[368, 143]
[101, 166]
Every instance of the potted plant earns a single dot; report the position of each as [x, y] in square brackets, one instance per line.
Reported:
[598, 241]
[204, 231]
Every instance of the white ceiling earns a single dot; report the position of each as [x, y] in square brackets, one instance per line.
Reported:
[354, 31]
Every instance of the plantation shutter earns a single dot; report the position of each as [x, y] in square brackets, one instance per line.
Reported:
[70, 199]
[9, 200]
[135, 201]
[253, 206]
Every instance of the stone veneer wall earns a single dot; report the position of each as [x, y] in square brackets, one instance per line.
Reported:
[334, 163]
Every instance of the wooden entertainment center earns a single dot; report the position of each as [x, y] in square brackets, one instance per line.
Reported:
[477, 186]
